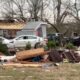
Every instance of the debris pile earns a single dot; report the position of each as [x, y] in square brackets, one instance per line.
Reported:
[35, 57]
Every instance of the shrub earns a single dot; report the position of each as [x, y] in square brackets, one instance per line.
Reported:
[45, 47]
[4, 49]
[69, 46]
[28, 46]
[51, 44]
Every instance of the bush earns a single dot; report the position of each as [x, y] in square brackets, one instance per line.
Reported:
[4, 49]
[45, 47]
[28, 46]
[51, 44]
[69, 46]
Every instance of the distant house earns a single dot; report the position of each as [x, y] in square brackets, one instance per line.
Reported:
[9, 30]
[34, 28]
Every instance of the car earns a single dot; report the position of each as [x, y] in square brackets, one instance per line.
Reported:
[53, 36]
[76, 41]
[22, 40]
[4, 40]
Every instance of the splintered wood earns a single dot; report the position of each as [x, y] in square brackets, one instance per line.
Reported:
[11, 65]
[30, 53]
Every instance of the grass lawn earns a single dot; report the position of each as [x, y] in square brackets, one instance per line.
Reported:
[65, 71]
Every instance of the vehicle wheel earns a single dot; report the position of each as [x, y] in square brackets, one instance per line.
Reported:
[37, 45]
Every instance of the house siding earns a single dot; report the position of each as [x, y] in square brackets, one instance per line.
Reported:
[34, 28]
[1, 32]
[26, 32]
[44, 31]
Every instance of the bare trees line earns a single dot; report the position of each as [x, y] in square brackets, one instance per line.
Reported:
[58, 11]
[22, 8]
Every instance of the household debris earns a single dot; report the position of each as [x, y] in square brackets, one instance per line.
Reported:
[39, 58]
[19, 65]
[7, 59]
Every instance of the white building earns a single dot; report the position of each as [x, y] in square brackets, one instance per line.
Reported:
[34, 28]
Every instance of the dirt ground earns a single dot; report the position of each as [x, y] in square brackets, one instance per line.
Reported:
[65, 71]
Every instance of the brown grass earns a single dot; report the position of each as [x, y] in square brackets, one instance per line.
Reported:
[65, 71]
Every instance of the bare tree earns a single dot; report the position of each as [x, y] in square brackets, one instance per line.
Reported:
[14, 9]
[8, 9]
[75, 12]
[36, 8]
[21, 9]
[60, 12]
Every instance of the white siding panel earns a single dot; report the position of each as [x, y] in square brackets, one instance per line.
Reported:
[44, 31]
[1, 32]
[25, 32]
